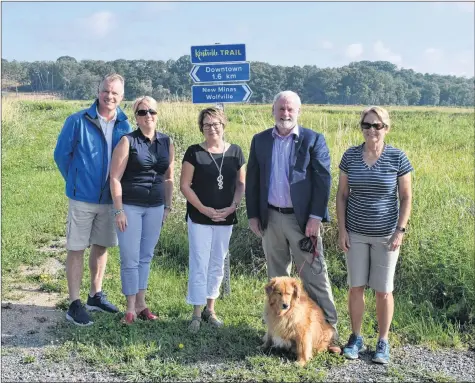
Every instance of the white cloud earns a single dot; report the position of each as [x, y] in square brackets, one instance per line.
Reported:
[354, 51]
[327, 44]
[381, 52]
[98, 25]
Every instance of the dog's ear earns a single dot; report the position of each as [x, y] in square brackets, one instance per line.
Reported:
[270, 287]
[297, 290]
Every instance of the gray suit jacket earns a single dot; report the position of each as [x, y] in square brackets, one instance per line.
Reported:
[309, 173]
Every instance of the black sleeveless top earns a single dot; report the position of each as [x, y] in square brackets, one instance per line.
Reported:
[143, 178]
[205, 185]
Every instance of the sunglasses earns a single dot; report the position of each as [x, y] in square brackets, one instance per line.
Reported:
[143, 112]
[377, 126]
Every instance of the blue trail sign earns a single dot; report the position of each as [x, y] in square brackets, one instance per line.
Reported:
[201, 54]
[220, 72]
[226, 93]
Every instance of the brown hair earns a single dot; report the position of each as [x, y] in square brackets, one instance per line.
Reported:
[212, 112]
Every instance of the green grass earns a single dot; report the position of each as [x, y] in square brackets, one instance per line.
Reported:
[435, 294]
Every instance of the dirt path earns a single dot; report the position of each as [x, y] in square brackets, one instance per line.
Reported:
[30, 319]
[32, 345]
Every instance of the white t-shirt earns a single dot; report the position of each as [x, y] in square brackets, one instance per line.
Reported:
[107, 127]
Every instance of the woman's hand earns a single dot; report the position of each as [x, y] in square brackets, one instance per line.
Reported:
[344, 240]
[121, 221]
[166, 211]
[223, 213]
[212, 213]
[396, 240]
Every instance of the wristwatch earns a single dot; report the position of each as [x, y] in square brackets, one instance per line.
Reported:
[168, 207]
[401, 229]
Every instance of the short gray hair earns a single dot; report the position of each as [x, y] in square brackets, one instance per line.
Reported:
[287, 94]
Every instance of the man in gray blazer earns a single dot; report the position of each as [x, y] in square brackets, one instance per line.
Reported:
[287, 190]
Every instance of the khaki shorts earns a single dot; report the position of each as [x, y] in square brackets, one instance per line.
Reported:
[370, 262]
[90, 224]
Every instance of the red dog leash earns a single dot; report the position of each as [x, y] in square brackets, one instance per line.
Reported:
[315, 254]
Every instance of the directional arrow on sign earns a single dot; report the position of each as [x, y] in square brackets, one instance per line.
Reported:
[221, 72]
[226, 93]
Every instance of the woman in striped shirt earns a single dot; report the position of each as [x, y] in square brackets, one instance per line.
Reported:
[373, 206]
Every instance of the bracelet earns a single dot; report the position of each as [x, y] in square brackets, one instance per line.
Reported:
[168, 207]
[118, 211]
[236, 204]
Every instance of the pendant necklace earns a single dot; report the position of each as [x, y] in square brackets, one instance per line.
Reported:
[220, 176]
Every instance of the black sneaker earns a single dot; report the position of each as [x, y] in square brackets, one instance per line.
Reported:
[78, 315]
[99, 302]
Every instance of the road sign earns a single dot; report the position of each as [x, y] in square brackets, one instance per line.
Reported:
[201, 54]
[220, 72]
[226, 93]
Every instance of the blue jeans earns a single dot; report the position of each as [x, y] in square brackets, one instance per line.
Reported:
[137, 244]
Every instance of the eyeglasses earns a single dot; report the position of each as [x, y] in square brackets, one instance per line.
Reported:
[214, 125]
[143, 112]
[377, 126]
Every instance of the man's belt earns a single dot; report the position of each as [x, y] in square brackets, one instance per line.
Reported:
[283, 210]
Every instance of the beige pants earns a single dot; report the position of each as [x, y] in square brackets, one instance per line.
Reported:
[281, 244]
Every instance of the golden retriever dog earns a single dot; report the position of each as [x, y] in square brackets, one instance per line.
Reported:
[294, 321]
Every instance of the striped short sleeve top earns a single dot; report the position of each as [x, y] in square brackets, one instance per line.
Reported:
[372, 208]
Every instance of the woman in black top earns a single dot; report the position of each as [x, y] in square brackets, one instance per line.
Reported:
[212, 180]
[142, 186]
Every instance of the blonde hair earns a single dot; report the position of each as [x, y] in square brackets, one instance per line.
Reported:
[212, 112]
[382, 114]
[150, 100]
[110, 78]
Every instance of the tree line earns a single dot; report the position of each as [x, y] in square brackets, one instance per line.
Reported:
[363, 82]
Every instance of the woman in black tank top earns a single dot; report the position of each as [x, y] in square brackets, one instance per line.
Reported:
[142, 187]
[212, 180]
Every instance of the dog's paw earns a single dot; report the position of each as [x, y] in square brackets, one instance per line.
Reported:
[264, 347]
[301, 362]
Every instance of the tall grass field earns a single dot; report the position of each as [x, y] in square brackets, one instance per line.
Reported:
[434, 284]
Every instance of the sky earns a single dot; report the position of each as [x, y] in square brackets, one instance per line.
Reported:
[429, 37]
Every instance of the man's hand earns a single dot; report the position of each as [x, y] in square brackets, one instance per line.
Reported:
[313, 227]
[255, 226]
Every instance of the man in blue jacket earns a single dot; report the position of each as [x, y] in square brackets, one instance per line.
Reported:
[287, 190]
[83, 155]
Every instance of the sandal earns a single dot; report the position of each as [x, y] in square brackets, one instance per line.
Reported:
[146, 314]
[211, 318]
[195, 324]
[128, 318]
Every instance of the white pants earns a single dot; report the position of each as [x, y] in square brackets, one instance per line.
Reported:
[208, 246]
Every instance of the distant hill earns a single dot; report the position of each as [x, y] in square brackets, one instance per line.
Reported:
[359, 83]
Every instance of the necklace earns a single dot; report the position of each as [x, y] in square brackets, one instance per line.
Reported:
[220, 176]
